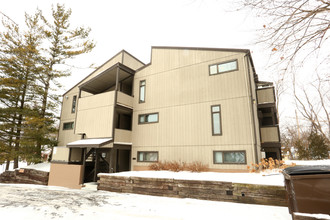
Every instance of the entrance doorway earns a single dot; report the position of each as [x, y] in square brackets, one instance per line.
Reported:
[96, 161]
[123, 160]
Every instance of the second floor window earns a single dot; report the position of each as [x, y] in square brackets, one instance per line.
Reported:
[148, 118]
[223, 67]
[68, 126]
[142, 92]
[216, 119]
[74, 101]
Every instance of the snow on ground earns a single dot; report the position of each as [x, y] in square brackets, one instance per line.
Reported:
[44, 202]
[275, 179]
[11, 166]
[308, 162]
[39, 166]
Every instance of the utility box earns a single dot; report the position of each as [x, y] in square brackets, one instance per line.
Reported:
[308, 189]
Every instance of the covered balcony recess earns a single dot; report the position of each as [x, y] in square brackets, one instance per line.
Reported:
[268, 121]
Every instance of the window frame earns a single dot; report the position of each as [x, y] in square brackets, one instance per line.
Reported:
[229, 151]
[71, 128]
[142, 86]
[74, 104]
[145, 122]
[217, 65]
[144, 153]
[212, 121]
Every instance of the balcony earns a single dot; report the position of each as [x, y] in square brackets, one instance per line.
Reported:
[95, 115]
[270, 135]
[124, 100]
[123, 136]
[266, 95]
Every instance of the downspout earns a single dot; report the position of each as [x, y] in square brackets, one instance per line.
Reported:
[252, 112]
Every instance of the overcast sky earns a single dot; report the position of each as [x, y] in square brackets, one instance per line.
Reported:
[136, 25]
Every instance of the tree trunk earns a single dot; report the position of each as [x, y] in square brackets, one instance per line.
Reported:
[7, 164]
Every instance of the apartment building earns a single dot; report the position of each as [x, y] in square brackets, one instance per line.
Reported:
[187, 104]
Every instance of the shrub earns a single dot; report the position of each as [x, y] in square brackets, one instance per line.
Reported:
[176, 166]
[197, 167]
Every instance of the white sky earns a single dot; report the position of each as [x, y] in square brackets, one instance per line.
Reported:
[137, 25]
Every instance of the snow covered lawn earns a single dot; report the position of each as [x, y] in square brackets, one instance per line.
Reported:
[44, 202]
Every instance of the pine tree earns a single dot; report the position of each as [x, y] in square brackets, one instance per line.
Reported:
[302, 150]
[30, 63]
[317, 146]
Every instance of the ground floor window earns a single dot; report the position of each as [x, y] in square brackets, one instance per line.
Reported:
[229, 157]
[147, 156]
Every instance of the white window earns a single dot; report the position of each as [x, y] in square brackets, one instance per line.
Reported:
[229, 157]
[68, 126]
[74, 101]
[142, 93]
[147, 156]
[148, 118]
[216, 120]
[223, 67]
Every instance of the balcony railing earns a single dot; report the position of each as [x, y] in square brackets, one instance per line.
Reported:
[123, 136]
[266, 95]
[124, 100]
[270, 134]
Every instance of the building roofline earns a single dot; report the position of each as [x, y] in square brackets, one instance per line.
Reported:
[122, 51]
[133, 57]
[247, 51]
[203, 48]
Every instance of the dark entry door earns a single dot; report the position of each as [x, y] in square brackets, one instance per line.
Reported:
[123, 160]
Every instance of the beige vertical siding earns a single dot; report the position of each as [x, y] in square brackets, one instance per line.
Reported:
[66, 136]
[67, 175]
[95, 115]
[180, 89]
[124, 99]
[60, 154]
[123, 136]
[131, 62]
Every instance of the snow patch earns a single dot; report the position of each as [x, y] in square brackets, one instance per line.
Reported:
[308, 162]
[275, 179]
[39, 166]
[317, 216]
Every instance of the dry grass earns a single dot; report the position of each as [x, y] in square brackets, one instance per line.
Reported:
[176, 166]
[197, 167]
[268, 164]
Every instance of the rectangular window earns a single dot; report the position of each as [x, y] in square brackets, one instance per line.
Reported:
[223, 67]
[216, 119]
[148, 118]
[74, 100]
[148, 156]
[229, 157]
[68, 126]
[142, 92]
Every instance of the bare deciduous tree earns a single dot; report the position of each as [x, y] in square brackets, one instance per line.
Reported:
[293, 28]
[314, 105]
